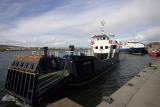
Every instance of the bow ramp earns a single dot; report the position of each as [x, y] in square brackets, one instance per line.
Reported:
[31, 77]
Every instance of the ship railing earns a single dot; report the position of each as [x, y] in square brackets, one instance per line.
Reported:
[55, 53]
[58, 53]
[79, 53]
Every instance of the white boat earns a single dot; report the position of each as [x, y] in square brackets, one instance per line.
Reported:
[132, 47]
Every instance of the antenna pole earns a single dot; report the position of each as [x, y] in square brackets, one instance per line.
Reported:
[102, 27]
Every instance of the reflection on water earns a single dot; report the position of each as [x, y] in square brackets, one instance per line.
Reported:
[90, 94]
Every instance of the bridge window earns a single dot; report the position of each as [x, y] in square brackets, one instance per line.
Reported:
[106, 47]
[97, 38]
[114, 46]
[96, 47]
[101, 47]
[104, 38]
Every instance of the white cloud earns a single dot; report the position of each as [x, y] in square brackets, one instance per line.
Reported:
[128, 18]
[149, 35]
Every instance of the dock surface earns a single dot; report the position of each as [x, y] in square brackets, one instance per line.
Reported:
[65, 102]
[141, 91]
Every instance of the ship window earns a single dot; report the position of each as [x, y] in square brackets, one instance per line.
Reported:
[104, 38]
[106, 47]
[101, 47]
[97, 38]
[96, 47]
[114, 47]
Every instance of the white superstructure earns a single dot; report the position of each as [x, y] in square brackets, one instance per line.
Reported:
[131, 44]
[104, 44]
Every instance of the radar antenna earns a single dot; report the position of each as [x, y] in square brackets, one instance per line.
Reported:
[102, 26]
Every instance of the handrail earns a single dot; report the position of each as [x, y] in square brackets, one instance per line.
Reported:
[56, 53]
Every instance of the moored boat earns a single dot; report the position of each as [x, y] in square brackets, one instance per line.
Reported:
[105, 54]
[154, 53]
[133, 47]
[30, 77]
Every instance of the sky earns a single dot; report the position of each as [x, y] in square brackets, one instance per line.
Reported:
[59, 23]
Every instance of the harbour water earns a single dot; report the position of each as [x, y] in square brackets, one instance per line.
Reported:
[91, 94]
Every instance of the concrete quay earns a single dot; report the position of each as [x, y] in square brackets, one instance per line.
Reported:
[65, 102]
[141, 91]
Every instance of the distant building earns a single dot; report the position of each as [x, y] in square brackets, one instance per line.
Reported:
[154, 45]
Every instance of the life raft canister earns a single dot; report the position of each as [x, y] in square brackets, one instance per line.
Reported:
[110, 41]
[92, 43]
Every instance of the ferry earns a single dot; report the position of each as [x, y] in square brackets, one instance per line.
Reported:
[31, 77]
[133, 47]
[105, 54]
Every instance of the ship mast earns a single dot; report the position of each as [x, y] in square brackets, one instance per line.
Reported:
[102, 27]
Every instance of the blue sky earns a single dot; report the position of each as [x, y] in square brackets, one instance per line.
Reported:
[58, 23]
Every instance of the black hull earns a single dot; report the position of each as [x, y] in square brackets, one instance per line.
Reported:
[134, 50]
[86, 68]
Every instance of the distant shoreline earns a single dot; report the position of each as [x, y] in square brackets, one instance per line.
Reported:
[51, 49]
[2, 49]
